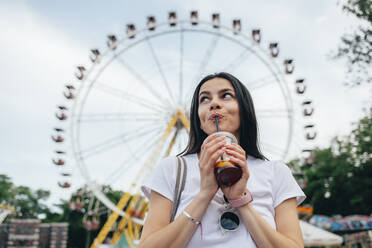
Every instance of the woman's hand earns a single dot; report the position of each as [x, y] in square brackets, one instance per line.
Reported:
[210, 151]
[237, 157]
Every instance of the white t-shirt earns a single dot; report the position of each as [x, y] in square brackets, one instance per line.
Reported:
[270, 184]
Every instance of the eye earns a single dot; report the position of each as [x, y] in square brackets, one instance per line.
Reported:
[227, 95]
[203, 99]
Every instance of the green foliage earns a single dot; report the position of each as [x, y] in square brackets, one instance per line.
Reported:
[5, 189]
[340, 180]
[360, 8]
[27, 203]
[356, 47]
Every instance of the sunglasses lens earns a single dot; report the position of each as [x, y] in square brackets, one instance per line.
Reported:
[229, 221]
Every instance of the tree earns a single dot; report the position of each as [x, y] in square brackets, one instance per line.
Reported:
[27, 203]
[356, 47]
[5, 188]
[339, 182]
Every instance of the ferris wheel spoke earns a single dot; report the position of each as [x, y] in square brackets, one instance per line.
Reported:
[273, 113]
[113, 142]
[129, 97]
[181, 67]
[155, 57]
[262, 84]
[155, 152]
[206, 58]
[183, 140]
[145, 83]
[172, 142]
[116, 141]
[125, 117]
[146, 145]
[263, 81]
[203, 64]
[235, 63]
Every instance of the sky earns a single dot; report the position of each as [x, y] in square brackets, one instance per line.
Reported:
[41, 43]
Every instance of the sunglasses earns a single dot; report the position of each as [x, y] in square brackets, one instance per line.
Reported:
[229, 220]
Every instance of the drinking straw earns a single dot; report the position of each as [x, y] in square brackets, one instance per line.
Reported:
[216, 119]
[217, 129]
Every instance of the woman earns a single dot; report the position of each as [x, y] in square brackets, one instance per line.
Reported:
[270, 220]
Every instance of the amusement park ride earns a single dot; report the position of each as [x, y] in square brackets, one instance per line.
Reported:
[129, 108]
[5, 210]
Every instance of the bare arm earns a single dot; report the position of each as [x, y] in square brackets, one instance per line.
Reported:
[158, 232]
[288, 233]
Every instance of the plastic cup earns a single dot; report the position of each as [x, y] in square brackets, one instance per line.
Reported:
[225, 171]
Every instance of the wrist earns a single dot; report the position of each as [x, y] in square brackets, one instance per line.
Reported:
[205, 196]
[236, 196]
[244, 199]
[245, 207]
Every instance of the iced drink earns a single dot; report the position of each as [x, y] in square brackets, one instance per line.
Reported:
[225, 171]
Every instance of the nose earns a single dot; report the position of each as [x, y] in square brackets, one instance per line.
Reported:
[215, 104]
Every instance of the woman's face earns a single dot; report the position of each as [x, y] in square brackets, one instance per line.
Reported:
[217, 98]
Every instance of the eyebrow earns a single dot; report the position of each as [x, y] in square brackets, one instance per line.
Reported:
[219, 92]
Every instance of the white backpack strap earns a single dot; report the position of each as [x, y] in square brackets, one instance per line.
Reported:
[180, 185]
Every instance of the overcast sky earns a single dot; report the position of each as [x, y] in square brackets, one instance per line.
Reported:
[42, 41]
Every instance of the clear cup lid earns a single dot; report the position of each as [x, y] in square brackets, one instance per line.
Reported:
[225, 134]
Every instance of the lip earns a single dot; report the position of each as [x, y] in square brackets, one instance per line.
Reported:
[212, 117]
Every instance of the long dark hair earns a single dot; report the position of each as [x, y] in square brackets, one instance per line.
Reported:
[248, 122]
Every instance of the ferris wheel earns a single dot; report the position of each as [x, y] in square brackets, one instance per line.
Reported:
[130, 106]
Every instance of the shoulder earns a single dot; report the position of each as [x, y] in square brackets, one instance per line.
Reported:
[278, 176]
[260, 165]
[191, 158]
[168, 165]
[167, 162]
[161, 178]
[165, 165]
[280, 168]
[275, 166]
[271, 171]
